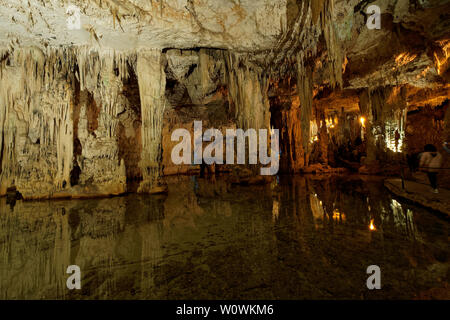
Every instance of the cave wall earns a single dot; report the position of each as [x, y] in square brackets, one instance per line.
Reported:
[85, 123]
[430, 126]
[63, 124]
[36, 124]
[426, 126]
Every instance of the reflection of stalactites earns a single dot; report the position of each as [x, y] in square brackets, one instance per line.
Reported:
[404, 219]
[61, 253]
[338, 216]
[411, 226]
[151, 253]
[316, 207]
[275, 210]
[372, 225]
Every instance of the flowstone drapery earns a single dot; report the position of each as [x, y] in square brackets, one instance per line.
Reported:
[152, 84]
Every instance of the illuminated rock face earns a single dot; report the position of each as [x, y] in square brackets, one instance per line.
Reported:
[52, 124]
[127, 24]
[85, 112]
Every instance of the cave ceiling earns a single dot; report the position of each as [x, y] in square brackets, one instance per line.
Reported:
[411, 48]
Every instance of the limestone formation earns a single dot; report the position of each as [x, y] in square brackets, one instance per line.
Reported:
[89, 111]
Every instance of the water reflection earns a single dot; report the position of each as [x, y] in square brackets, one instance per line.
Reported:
[299, 238]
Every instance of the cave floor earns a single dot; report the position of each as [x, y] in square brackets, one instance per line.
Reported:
[305, 238]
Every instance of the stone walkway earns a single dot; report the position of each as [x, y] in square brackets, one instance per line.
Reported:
[420, 193]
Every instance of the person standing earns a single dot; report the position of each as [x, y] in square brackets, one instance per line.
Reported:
[430, 162]
[446, 148]
[397, 139]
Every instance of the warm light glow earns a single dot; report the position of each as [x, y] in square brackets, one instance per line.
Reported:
[372, 226]
[395, 132]
[442, 58]
[314, 139]
[338, 215]
[331, 123]
[404, 58]
[363, 121]
[275, 210]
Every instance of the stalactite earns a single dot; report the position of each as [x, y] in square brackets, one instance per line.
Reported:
[248, 93]
[367, 112]
[315, 17]
[152, 84]
[293, 159]
[385, 111]
[305, 93]
[30, 123]
[334, 49]
[37, 122]
[323, 136]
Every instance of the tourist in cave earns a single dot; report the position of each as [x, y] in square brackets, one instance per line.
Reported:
[431, 162]
[413, 161]
[397, 139]
[445, 146]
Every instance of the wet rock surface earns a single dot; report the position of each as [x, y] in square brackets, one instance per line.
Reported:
[421, 193]
[302, 238]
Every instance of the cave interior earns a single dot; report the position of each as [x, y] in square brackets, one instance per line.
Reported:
[90, 112]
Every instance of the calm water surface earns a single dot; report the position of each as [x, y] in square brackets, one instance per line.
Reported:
[303, 239]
